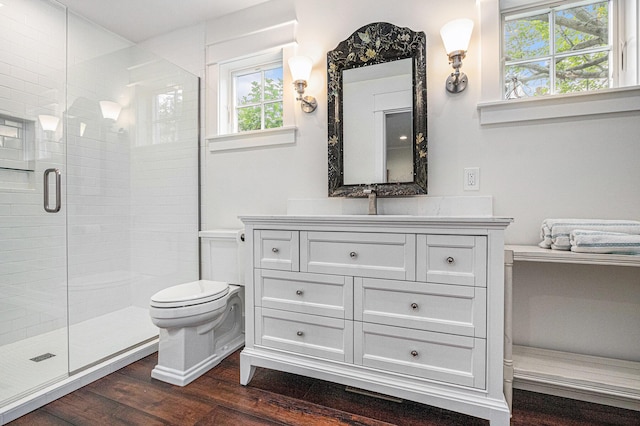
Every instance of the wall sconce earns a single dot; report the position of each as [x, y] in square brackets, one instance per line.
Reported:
[110, 110]
[455, 37]
[48, 122]
[300, 67]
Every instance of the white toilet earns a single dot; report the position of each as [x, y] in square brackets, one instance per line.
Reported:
[201, 322]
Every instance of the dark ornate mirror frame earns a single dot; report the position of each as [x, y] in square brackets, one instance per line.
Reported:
[374, 44]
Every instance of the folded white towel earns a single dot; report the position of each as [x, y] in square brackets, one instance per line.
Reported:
[555, 232]
[585, 241]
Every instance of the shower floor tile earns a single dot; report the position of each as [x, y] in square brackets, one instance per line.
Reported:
[90, 341]
[98, 338]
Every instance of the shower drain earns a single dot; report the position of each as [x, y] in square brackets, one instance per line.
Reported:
[42, 357]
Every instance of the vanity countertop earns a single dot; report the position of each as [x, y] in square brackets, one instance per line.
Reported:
[388, 221]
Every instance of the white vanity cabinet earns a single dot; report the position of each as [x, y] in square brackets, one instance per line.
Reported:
[400, 305]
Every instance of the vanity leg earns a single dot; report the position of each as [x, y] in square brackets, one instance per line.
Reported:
[508, 327]
[246, 371]
[500, 418]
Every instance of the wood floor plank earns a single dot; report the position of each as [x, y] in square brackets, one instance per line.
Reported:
[223, 416]
[532, 408]
[287, 384]
[84, 407]
[40, 418]
[131, 397]
[406, 413]
[272, 406]
[158, 399]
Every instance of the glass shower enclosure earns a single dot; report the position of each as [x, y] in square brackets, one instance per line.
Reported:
[98, 192]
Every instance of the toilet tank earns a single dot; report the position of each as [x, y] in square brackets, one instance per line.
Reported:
[222, 255]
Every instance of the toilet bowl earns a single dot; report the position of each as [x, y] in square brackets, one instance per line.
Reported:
[200, 322]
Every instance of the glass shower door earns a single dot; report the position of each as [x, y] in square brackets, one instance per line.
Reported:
[132, 194]
[33, 246]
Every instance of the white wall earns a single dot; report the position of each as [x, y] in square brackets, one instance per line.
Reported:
[579, 167]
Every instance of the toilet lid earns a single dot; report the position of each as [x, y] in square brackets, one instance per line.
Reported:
[188, 294]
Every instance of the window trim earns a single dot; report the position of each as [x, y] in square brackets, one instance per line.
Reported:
[226, 71]
[605, 101]
[220, 140]
[285, 135]
[494, 110]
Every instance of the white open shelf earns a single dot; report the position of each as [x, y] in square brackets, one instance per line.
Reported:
[589, 378]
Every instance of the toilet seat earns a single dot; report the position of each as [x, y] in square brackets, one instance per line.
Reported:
[190, 294]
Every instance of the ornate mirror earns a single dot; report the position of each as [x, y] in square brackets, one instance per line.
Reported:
[377, 90]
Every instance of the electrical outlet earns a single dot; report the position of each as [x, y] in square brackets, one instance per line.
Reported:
[471, 179]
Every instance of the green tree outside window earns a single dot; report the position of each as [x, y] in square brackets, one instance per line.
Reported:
[259, 100]
[562, 50]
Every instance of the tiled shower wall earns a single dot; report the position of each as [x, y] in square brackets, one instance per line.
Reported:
[32, 242]
[130, 203]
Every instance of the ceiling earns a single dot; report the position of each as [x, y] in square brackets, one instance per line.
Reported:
[139, 20]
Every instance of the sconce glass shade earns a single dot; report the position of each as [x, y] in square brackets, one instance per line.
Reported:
[48, 122]
[110, 109]
[456, 35]
[300, 67]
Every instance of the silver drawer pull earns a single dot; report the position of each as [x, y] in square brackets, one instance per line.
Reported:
[450, 260]
[299, 292]
[414, 306]
[414, 353]
[300, 333]
[275, 249]
[353, 254]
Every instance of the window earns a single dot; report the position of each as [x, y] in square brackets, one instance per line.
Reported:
[562, 49]
[258, 98]
[251, 93]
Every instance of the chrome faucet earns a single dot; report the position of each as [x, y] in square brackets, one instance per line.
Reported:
[373, 200]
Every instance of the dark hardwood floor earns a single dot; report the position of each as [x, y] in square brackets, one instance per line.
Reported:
[130, 397]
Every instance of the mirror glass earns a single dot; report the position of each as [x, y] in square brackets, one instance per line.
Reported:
[377, 126]
[378, 105]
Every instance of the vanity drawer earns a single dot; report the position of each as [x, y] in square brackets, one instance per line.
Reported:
[434, 307]
[326, 295]
[277, 250]
[452, 259]
[376, 255]
[436, 356]
[329, 338]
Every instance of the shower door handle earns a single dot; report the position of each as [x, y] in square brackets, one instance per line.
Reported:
[47, 208]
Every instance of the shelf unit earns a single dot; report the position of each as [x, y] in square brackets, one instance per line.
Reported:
[588, 378]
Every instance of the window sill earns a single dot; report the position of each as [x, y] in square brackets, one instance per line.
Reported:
[254, 139]
[623, 99]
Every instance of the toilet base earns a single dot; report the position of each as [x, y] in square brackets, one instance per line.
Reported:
[186, 353]
[184, 377]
